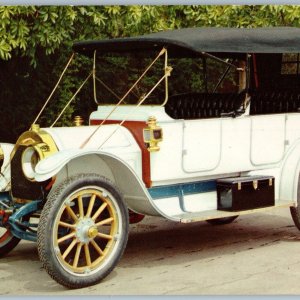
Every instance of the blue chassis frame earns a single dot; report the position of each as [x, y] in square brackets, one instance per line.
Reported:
[18, 227]
[20, 230]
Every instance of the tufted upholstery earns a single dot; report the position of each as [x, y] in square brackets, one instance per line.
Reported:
[270, 102]
[199, 105]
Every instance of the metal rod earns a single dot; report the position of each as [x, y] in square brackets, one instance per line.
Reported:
[61, 76]
[222, 78]
[222, 61]
[205, 74]
[94, 78]
[127, 93]
[108, 88]
[166, 80]
[142, 100]
[248, 61]
[79, 89]
[4, 204]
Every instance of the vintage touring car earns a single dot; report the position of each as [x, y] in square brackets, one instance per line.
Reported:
[217, 144]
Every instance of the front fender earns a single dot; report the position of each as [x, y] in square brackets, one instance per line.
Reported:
[5, 168]
[68, 162]
[51, 165]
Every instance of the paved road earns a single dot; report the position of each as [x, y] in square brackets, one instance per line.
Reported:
[257, 254]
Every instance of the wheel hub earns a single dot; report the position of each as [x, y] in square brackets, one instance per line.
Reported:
[86, 230]
[92, 232]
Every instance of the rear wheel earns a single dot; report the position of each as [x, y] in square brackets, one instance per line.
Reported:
[221, 221]
[7, 241]
[83, 230]
[295, 211]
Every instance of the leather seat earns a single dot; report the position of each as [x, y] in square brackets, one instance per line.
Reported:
[200, 105]
[270, 102]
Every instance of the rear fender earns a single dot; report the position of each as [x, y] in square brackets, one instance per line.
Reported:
[67, 163]
[290, 171]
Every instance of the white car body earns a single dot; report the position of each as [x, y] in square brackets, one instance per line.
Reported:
[201, 152]
[192, 151]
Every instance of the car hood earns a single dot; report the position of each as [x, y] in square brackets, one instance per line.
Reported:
[90, 137]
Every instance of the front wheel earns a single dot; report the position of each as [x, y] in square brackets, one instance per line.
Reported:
[83, 230]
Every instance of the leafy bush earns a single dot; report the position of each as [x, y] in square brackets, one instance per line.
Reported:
[35, 44]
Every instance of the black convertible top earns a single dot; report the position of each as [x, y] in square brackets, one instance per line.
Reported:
[189, 42]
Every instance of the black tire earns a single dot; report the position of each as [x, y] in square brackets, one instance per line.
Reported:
[98, 252]
[295, 211]
[221, 221]
[7, 241]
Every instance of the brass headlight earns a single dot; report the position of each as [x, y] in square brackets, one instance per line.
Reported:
[31, 156]
[31, 147]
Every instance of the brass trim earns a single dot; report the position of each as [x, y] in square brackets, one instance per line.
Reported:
[35, 127]
[255, 184]
[92, 232]
[31, 138]
[78, 121]
[40, 140]
[239, 185]
[149, 132]
[270, 181]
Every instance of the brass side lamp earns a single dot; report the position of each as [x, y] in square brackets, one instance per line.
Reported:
[152, 135]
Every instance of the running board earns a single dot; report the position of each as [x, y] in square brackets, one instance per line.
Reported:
[215, 214]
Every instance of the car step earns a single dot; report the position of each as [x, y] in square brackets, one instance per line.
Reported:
[215, 214]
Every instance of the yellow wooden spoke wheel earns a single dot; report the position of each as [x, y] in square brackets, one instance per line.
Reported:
[83, 230]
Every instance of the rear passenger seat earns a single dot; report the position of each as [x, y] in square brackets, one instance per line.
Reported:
[270, 102]
[200, 105]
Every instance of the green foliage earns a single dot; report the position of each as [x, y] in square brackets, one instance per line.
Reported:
[24, 29]
[35, 44]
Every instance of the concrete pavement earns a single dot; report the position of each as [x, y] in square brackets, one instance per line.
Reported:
[257, 254]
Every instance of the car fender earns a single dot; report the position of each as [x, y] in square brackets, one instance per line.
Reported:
[5, 168]
[69, 162]
[289, 178]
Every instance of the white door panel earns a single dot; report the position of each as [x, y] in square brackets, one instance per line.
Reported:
[201, 145]
[267, 139]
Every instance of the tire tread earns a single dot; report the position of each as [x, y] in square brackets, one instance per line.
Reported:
[41, 236]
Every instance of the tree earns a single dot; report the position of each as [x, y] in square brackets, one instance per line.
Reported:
[35, 43]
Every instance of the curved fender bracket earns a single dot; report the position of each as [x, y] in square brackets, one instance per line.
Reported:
[51, 165]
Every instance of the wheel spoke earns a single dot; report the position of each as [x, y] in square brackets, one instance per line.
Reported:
[104, 236]
[71, 213]
[77, 254]
[91, 205]
[97, 247]
[80, 206]
[99, 211]
[71, 246]
[105, 222]
[67, 225]
[87, 254]
[66, 237]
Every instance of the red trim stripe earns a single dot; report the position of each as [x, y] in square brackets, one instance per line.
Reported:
[136, 129]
